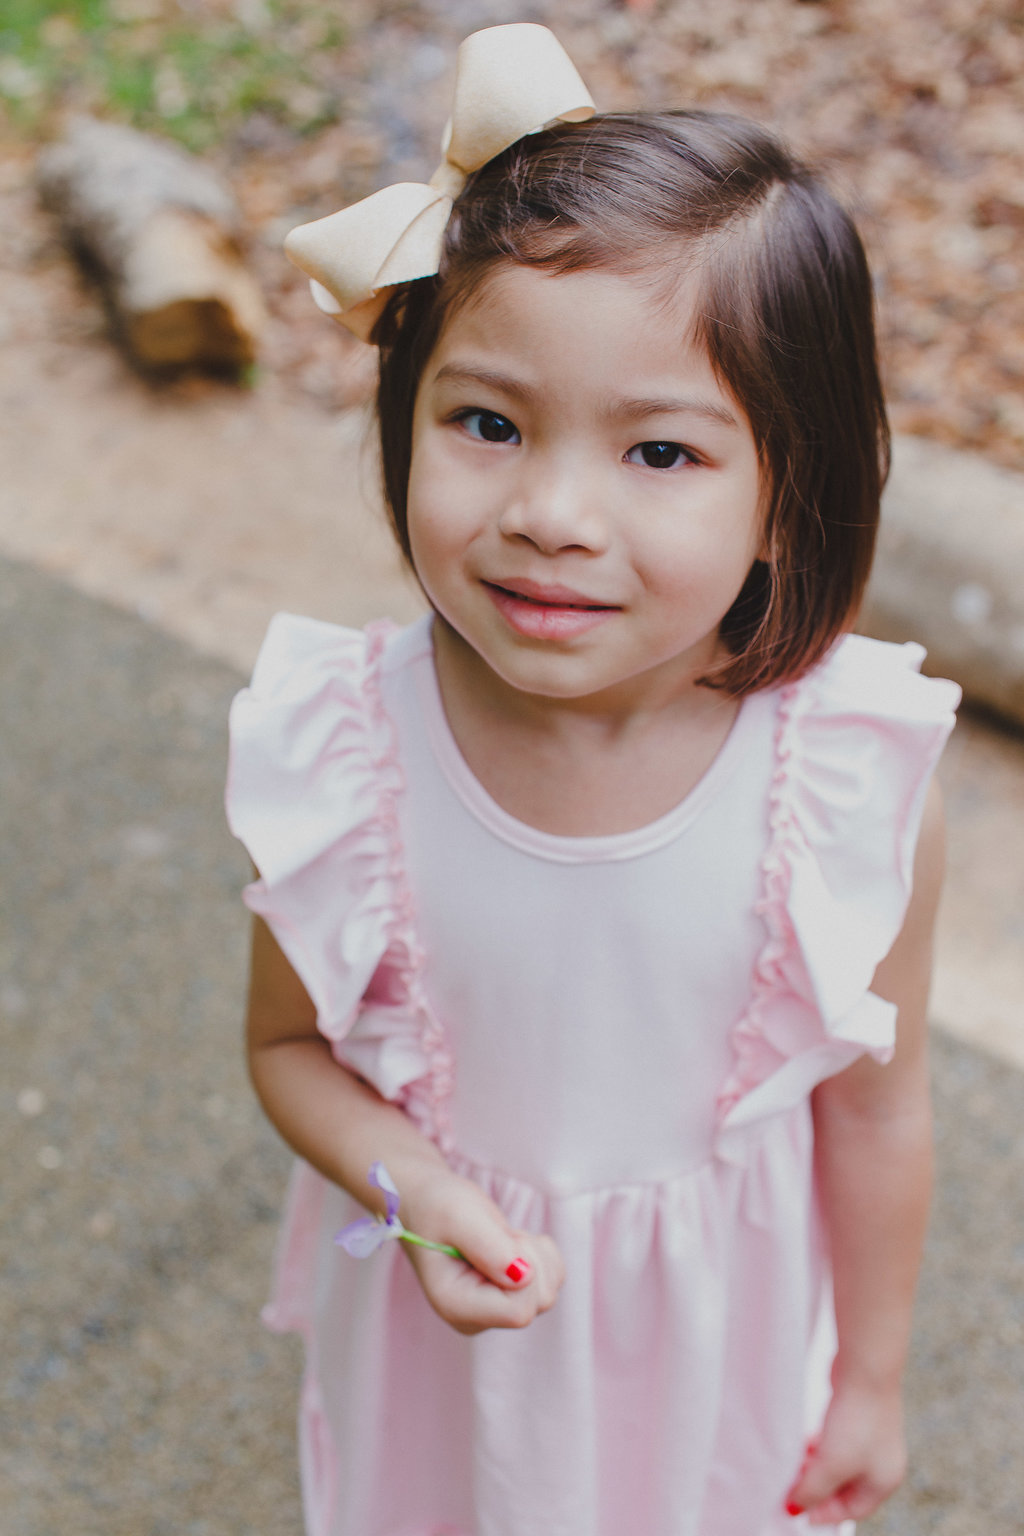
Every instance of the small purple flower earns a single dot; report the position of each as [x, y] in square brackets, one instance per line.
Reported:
[363, 1237]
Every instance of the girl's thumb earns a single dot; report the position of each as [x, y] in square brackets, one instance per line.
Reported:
[518, 1272]
[498, 1260]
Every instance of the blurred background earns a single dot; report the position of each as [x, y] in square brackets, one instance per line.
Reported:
[915, 110]
[153, 517]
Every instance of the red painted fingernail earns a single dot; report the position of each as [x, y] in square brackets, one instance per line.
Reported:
[518, 1270]
[794, 1509]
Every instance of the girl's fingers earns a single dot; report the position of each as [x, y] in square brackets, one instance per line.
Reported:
[818, 1484]
[499, 1255]
[829, 1511]
[858, 1461]
[468, 1302]
[507, 1278]
[461, 1214]
[855, 1501]
[510, 1259]
[548, 1271]
[829, 1495]
[466, 1298]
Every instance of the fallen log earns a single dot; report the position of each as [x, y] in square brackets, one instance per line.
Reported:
[160, 232]
[950, 569]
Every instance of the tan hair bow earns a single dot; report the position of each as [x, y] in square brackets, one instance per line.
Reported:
[509, 81]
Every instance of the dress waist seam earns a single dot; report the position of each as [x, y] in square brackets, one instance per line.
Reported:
[489, 1175]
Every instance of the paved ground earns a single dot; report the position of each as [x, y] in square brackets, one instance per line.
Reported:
[139, 1395]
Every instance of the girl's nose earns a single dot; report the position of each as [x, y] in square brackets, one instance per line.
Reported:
[555, 508]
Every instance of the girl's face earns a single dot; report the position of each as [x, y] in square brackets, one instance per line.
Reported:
[584, 495]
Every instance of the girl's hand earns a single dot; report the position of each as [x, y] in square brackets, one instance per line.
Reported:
[859, 1460]
[510, 1276]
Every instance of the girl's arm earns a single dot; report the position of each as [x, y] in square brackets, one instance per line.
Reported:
[340, 1125]
[874, 1162]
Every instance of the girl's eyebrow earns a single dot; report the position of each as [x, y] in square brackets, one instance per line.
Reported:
[618, 407]
[671, 405]
[458, 373]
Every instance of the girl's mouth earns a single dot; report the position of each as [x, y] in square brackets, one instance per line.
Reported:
[542, 612]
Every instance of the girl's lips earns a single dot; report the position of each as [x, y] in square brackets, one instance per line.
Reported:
[551, 593]
[541, 612]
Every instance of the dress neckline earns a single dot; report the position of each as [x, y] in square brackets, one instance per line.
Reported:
[557, 847]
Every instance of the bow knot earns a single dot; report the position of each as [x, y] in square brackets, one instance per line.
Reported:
[509, 81]
[448, 179]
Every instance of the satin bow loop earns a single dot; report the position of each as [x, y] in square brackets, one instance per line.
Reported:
[509, 81]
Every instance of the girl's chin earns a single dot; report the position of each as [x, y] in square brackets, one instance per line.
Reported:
[546, 667]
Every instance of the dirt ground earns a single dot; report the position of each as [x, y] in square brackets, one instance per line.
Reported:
[915, 111]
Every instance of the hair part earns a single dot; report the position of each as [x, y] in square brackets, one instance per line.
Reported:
[784, 310]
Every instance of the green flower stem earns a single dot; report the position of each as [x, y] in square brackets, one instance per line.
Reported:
[424, 1242]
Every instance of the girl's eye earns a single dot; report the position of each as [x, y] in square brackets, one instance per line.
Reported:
[659, 455]
[489, 427]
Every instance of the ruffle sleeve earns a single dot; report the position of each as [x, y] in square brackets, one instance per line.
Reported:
[312, 781]
[857, 741]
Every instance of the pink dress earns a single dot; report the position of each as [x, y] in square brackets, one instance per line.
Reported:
[616, 1037]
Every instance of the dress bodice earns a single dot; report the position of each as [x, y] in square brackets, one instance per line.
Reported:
[588, 986]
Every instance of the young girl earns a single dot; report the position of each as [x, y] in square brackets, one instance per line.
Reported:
[597, 905]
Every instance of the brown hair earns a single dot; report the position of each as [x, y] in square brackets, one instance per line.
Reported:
[784, 311]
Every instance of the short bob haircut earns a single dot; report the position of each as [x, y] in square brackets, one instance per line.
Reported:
[784, 311]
